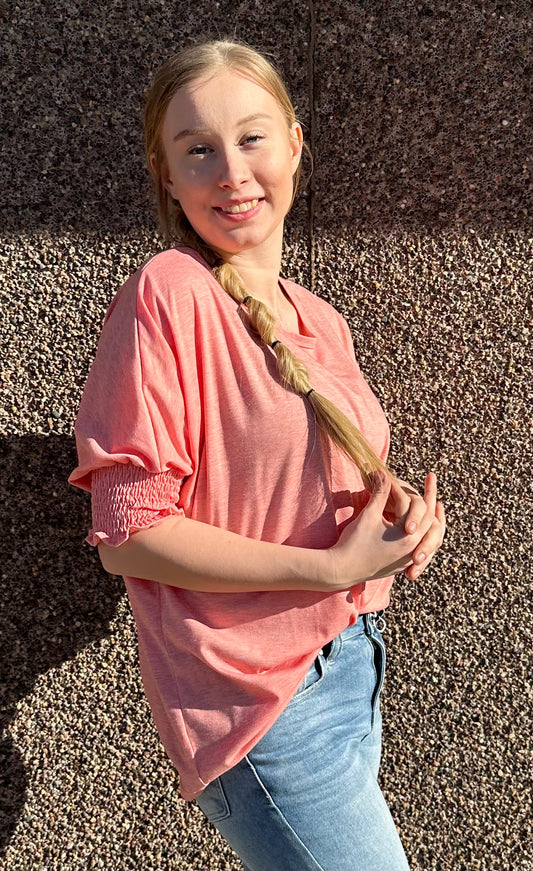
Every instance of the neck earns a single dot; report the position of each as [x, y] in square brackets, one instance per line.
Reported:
[261, 283]
[259, 269]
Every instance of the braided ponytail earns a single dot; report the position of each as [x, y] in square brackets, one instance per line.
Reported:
[295, 377]
[191, 64]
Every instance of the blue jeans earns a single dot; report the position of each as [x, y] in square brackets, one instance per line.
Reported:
[306, 797]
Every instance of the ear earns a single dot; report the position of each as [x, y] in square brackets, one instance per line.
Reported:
[166, 182]
[296, 139]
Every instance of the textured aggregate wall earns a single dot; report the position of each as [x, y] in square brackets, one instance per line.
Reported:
[415, 226]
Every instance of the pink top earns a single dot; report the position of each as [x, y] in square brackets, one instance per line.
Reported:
[183, 413]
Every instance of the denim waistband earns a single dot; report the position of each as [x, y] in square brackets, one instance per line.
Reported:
[377, 619]
[366, 623]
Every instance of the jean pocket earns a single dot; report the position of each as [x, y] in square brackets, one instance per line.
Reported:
[312, 679]
[213, 802]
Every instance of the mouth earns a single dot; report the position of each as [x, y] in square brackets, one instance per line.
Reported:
[238, 208]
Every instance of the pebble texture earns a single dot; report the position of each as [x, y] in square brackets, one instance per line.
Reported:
[415, 225]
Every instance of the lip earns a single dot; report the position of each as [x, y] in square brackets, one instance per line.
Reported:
[239, 217]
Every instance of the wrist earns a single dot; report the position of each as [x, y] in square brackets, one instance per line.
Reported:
[328, 575]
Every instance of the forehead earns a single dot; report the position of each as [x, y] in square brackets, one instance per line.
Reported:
[217, 101]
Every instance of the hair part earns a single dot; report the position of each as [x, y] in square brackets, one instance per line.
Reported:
[197, 62]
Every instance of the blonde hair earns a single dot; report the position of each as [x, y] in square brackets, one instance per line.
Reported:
[190, 65]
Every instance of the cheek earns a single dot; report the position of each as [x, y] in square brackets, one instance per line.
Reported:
[188, 187]
[277, 173]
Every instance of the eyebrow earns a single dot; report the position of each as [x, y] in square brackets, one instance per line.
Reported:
[199, 132]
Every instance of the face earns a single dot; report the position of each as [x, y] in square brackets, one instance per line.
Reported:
[231, 158]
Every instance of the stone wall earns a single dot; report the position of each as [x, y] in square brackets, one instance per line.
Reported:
[415, 225]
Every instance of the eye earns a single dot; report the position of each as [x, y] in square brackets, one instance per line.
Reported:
[253, 138]
[198, 150]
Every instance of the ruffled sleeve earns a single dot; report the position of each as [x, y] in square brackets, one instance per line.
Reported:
[133, 430]
[125, 498]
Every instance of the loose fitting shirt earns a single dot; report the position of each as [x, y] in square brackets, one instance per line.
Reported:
[184, 414]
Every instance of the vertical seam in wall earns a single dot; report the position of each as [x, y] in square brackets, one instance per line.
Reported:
[312, 142]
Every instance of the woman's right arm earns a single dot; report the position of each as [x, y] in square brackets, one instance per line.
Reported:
[192, 555]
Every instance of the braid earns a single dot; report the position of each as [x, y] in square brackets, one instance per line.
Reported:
[295, 377]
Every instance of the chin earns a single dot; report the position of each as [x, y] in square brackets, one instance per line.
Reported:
[233, 247]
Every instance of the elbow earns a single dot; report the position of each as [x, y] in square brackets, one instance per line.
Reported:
[127, 558]
[110, 558]
[142, 554]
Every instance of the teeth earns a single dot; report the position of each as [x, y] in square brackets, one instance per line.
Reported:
[244, 207]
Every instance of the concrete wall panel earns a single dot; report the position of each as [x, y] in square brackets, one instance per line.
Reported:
[415, 225]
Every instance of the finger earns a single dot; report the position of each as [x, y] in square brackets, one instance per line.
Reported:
[413, 572]
[429, 544]
[441, 517]
[418, 510]
[380, 493]
[436, 533]
[399, 499]
[422, 509]
[430, 492]
[402, 502]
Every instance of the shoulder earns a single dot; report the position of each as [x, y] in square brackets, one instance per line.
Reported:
[173, 263]
[177, 271]
[175, 277]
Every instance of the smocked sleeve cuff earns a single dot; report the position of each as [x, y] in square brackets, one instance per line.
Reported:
[126, 498]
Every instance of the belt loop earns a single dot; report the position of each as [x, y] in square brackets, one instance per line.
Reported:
[380, 622]
[377, 619]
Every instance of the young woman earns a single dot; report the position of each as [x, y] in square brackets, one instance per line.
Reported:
[236, 460]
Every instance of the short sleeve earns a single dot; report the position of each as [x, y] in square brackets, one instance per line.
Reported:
[133, 409]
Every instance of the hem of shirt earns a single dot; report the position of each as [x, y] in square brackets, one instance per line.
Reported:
[191, 793]
[117, 538]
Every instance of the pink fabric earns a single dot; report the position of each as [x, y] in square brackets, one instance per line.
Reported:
[126, 498]
[183, 412]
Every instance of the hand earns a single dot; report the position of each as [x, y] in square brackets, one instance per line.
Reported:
[407, 506]
[398, 530]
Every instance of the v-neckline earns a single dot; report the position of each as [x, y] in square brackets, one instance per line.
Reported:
[303, 337]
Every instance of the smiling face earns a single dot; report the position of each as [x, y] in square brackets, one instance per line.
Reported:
[230, 161]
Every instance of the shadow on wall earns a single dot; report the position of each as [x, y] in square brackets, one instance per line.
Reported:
[54, 600]
[421, 115]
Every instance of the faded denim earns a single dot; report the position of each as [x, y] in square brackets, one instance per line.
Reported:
[306, 798]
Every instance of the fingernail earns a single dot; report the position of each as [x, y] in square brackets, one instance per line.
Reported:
[420, 557]
[411, 526]
[415, 574]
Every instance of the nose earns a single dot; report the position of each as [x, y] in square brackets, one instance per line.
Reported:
[234, 170]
